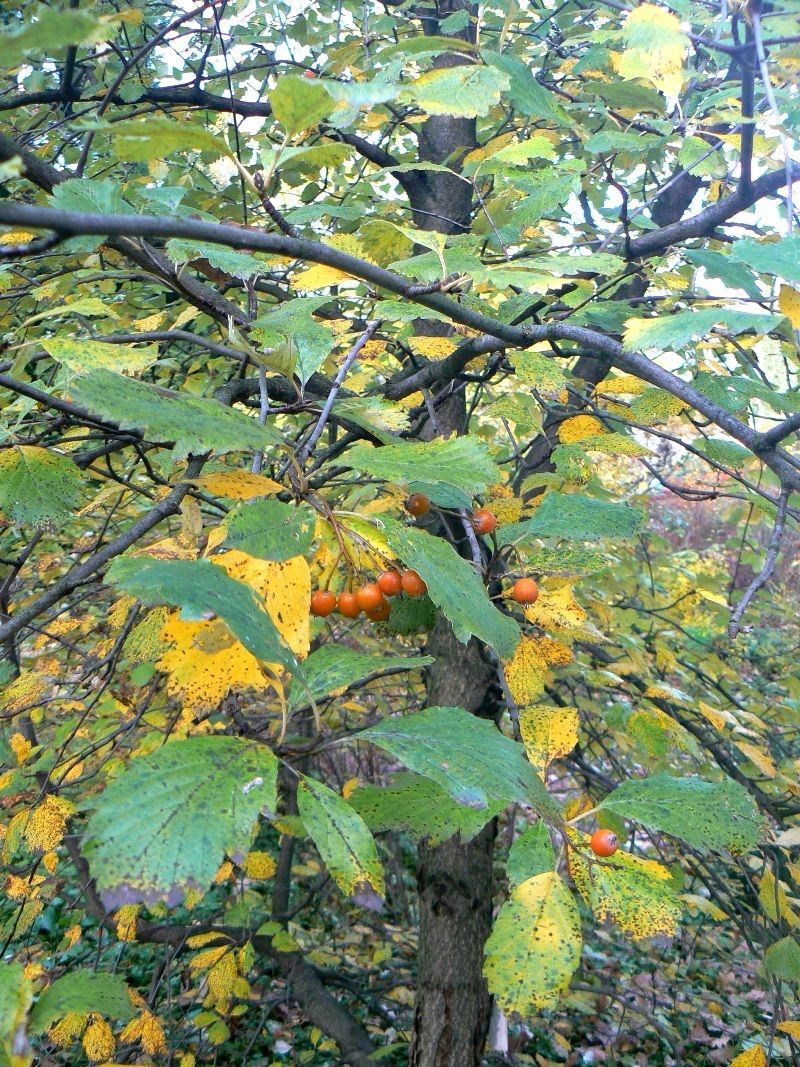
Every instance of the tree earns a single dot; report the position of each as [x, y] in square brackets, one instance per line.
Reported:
[267, 274]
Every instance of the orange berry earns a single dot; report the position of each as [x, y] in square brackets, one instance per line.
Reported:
[525, 591]
[413, 584]
[418, 504]
[323, 602]
[604, 843]
[390, 583]
[309, 74]
[381, 613]
[484, 521]
[349, 606]
[369, 596]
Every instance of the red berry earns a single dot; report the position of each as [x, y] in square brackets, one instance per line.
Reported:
[484, 521]
[348, 605]
[390, 583]
[413, 584]
[309, 74]
[418, 504]
[381, 613]
[323, 602]
[525, 591]
[369, 596]
[604, 843]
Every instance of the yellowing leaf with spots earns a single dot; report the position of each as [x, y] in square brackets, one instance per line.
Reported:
[753, 1057]
[622, 385]
[285, 588]
[790, 1027]
[654, 48]
[636, 893]
[557, 610]
[237, 485]
[344, 842]
[432, 347]
[24, 692]
[579, 427]
[789, 304]
[548, 732]
[199, 673]
[526, 671]
[534, 946]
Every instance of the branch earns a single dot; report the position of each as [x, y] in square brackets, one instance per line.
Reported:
[774, 436]
[170, 505]
[765, 573]
[705, 222]
[75, 223]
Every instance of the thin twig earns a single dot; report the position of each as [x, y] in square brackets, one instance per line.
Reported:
[349, 359]
[765, 573]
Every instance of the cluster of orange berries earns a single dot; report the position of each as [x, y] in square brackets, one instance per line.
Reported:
[484, 521]
[371, 598]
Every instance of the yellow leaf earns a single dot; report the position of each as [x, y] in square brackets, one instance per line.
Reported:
[526, 671]
[774, 900]
[575, 429]
[16, 237]
[98, 1041]
[622, 385]
[125, 918]
[703, 905]
[789, 304]
[259, 865]
[319, 277]
[25, 691]
[716, 717]
[790, 1027]
[655, 47]
[753, 1057]
[548, 732]
[285, 588]
[759, 756]
[432, 347]
[203, 678]
[556, 609]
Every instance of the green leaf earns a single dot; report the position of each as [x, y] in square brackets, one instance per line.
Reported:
[83, 991]
[195, 424]
[531, 854]
[170, 818]
[707, 815]
[581, 518]
[450, 472]
[781, 258]
[38, 487]
[468, 91]
[100, 196]
[678, 328]
[270, 529]
[15, 999]
[783, 960]
[237, 264]
[293, 321]
[525, 93]
[52, 33]
[733, 274]
[334, 668]
[423, 44]
[421, 807]
[566, 561]
[548, 192]
[158, 137]
[454, 587]
[467, 756]
[344, 842]
[534, 947]
[728, 453]
[300, 103]
[201, 590]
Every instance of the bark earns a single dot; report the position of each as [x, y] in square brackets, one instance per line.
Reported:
[454, 880]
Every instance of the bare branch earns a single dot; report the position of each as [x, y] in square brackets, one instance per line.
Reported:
[765, 573]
